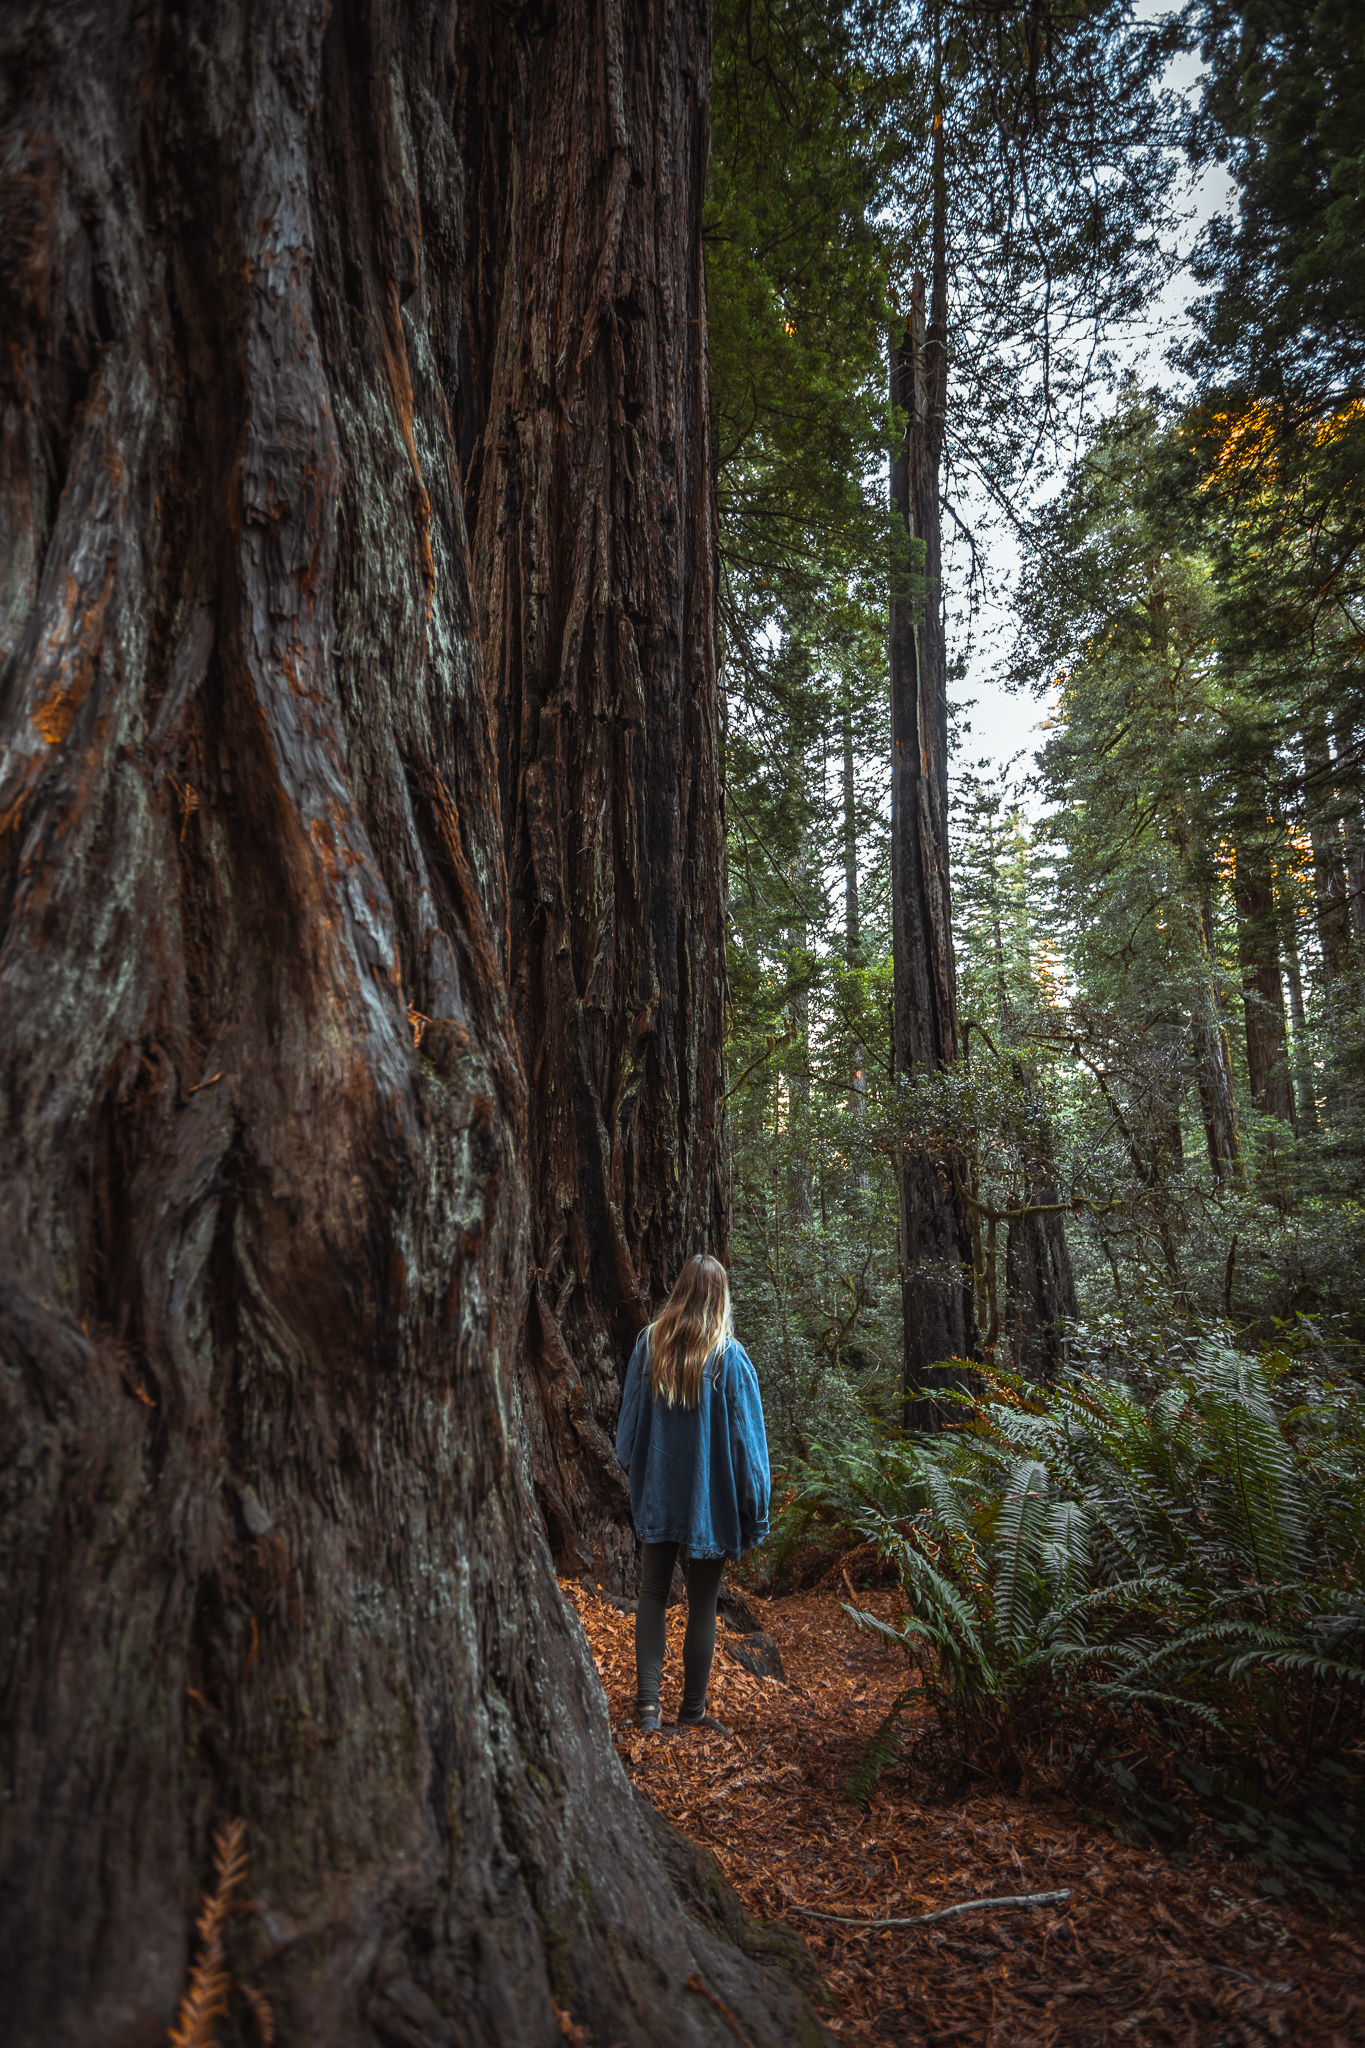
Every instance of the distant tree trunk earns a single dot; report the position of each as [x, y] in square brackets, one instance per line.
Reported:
[852, 936]
[1329, 871]
[796, 1072]
[1305, 1100]
[1258, 953]
[584, 420]
[1213, 1057]
[1002, 995]
[1159, 1111]
[857, 1078]
[1040, 1287]
[1354, 821]
[267, 1535]
[936, 1252]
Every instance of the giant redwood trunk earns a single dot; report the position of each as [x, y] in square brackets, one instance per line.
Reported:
[279, 767]
[582, 416]
[936, 1285]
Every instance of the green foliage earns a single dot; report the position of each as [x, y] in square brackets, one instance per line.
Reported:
[1285, 106]
[1173, 771]
[1142, 1581]
[798, 316]
[1100, 1572]
[818, 213]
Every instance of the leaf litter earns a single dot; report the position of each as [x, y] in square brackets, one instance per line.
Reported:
[1143, 1951]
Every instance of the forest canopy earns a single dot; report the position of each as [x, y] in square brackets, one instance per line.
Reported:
[1158, 920]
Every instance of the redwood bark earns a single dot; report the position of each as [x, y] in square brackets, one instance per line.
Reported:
[936, 1258]
[267, 1536]
[585, 427]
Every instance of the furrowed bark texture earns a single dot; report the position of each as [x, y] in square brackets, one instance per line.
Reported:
[935, 1232]
[267, 1539]
[583, 421]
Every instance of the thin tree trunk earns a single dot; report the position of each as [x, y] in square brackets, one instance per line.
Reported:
[1002, 997]
[797, 1075]
[1258, 953]
[935, 1235]
[857, 1078]
[1354, 822]
[796, 1065]
[852, 937]
[1213, 1056]
[1304, 1097]
[1212, 1065]
[1040, 1286]
[1329, 870]
[267, 1535]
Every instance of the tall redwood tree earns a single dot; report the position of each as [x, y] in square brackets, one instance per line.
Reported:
[354, 662]
[935, 1235]
[582, 417]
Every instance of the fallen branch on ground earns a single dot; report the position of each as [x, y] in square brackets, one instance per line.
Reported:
[946, 1912]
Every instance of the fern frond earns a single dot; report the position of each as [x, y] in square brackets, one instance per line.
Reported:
[1127, 1697]
[205, 1997]
[880, 1753]
[261, 2014]
[1295, 1660]
[1020, 1535]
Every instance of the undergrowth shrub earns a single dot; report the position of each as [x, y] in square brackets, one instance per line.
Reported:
[1151, 1601]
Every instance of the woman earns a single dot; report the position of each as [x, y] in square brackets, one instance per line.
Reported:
[691, 1436]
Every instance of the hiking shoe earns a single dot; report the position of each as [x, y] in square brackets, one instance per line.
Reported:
[647, 1720]
[707, 1721]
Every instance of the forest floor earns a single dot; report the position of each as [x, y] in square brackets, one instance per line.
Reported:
[1143, 1951]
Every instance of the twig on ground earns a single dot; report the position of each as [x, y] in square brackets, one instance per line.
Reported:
[946, 1912]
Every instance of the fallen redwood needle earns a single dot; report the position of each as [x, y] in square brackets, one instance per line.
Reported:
[206, 1084]
[947, 1912]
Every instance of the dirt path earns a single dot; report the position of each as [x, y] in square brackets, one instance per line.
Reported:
[1142, 1952]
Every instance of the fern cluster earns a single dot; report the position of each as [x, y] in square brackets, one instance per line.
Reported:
[1079, 1563]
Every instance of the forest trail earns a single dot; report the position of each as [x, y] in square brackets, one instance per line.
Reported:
[1142, 1952]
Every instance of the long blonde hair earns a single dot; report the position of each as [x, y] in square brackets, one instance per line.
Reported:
[692, 1322]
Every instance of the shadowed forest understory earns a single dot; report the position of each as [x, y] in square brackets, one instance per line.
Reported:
[1127, 1944]
[524, 535]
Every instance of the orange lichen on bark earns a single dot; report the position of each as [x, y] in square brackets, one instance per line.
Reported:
[76, 657]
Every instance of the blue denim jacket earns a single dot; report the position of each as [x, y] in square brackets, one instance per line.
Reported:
[698, 1476]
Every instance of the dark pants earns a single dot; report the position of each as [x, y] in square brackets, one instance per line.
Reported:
[699, 1644]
